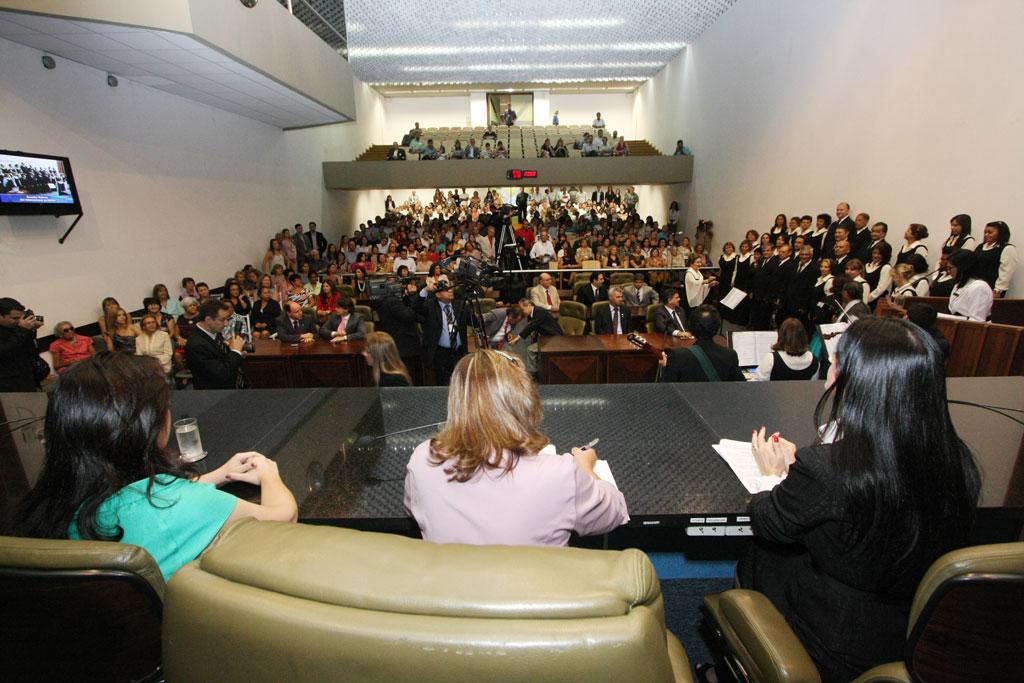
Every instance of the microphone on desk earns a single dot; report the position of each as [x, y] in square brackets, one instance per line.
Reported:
[366, 439]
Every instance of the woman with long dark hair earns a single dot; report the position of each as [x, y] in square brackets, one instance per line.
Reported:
[960, 233]
[109, 476]
[971, 296]
[843, 541]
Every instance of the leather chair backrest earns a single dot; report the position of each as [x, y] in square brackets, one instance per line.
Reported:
[652, 309]
[621, 278]
[78, 610]
[281, 602]
[597, 307]
[365, 311]
[967, 618]
[573, 327]
[572, 309]
[487, 304]
[347, 290]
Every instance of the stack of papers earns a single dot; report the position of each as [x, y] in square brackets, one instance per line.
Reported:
[604, 472]
[740, 458]
[751, 347]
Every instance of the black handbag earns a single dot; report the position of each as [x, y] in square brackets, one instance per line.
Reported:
[40, 370]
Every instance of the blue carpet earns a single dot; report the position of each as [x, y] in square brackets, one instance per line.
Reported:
[683, 614]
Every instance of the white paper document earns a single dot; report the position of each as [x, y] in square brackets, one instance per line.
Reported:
[733, 298]
[751, 346]
[740, 459]
[604, 472]
[830, 334]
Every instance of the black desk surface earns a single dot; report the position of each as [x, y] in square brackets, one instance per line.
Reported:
[657, 439]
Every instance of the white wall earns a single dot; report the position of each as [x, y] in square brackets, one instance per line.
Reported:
[400, 113]
[615, 108]
[169, 187]
[902, 108]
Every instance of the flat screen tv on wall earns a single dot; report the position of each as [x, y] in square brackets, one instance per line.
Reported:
[37, 184]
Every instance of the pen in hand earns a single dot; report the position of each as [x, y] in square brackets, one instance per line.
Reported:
[589, 445]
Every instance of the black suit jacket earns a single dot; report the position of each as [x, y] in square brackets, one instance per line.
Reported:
[428, 313]
[396, 154]
[684, 367]
[398, 318]
[864, 253]
[315, 241]
[839, 266]
[781, 277]
[597, 196]
[541, 322]
[212, 364]
[664, 323]
[355, 328]
[603, 320]
[17, 354]
[587, 296]
[286, 331]
[800, 290]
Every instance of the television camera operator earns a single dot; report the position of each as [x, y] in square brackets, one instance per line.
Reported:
[396, 309]
[444, 319]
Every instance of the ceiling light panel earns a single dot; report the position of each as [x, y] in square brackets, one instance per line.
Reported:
[436, 41]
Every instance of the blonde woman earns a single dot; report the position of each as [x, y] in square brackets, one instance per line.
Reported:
[122, 331]
[381, 355]
[902, 280]
[154, 342]
[490, 477]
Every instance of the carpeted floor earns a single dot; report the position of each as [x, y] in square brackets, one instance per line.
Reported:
[683, 614]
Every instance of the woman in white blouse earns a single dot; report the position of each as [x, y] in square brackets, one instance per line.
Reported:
[997, 258]
[879, 274]
[902, 274]
[697, 286]
[971, 297]
[154, 342]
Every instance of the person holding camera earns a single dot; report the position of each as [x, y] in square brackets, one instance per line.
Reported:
[444, 320]
[20, 365]
[397, 315]
[214, 363]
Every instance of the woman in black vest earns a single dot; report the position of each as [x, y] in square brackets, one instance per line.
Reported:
[960, 233]
[742, 280]
[912, 243]
[878, 274]
[997, 258]
[790, 358]
[941, 283]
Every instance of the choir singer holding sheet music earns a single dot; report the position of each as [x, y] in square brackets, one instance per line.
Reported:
[491, 478]
[842, 543]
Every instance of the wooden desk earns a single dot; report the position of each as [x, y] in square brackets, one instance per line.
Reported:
[275, 365]
[975, 349]
[603, 358]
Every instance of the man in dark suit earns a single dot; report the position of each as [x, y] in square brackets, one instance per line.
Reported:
[444, 320]
[597, 196]
[294, 327]
[344, 325]
[18, 352]
[842, 220]
[398, 318]
[593, 292]
[784, 273]
[878, 233]
[861, 235]
[841, 258]
[669, 318]
[315, 239]
[853, 304]
[800, 289]
[214, 363]
[396, 153]
[613, 318]
[705, 361]
[540, 323]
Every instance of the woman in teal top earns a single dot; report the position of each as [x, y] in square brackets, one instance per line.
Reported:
[108, 476]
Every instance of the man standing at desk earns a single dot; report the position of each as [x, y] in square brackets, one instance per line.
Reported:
[214, 363]
[294, 327]
[444, 322]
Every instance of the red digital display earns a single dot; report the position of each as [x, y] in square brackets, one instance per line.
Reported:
[519, 174]
[529, 174]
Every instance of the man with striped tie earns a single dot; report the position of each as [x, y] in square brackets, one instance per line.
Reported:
[444, 320]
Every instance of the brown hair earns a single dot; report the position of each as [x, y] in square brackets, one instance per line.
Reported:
[494, 411]
[855, 264]
[792, 338]
[380, 346]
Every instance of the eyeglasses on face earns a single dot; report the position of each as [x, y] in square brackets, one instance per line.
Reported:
[67, 329]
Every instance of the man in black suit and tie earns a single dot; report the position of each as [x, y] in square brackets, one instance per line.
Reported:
[669, 318]
[842, 220]
[842, 257]
[614, 318]
[705, 361]
[799, 295]
[861, 234]
[597, 196]
[594, 292]
[294, 327]
[539, 322]
[878, 233]
[444, 322]
[784, 273]
[214, 363]
[344, 325]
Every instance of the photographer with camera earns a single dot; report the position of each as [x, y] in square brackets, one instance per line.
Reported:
[397, 314]
[444, 321]
[21, 368]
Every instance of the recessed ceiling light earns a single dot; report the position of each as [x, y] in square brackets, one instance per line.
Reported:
[436, 50]
[535, 67]
[554, 23]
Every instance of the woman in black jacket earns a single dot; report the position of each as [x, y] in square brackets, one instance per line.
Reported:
[842, 543]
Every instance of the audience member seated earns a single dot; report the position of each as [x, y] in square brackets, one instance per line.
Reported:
[122, 332]
[386, 365]
[155, 343]
[668, 320]
[705, 361]
[842, 543]
[294, 326]
[429, 153]
[396, 153]
[168, 305]
[214, 363]
[681, 149]
[344, 325]
[596, 290]
[69, 347]
[109, 308]
[545, 294]
[598, 122]
[640, 294]
[265, 313]
[491, 456]
[114, 479]
[791, 358]
[615, 317]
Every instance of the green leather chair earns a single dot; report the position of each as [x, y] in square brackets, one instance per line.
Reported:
[487, 304]
[572, 309]
[79, 611]
[621, 278]
[651, 310]
[285, 602]
[966, 624]
[572, 327]
[365, 311]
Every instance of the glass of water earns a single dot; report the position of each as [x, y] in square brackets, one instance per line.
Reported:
[189, 442]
